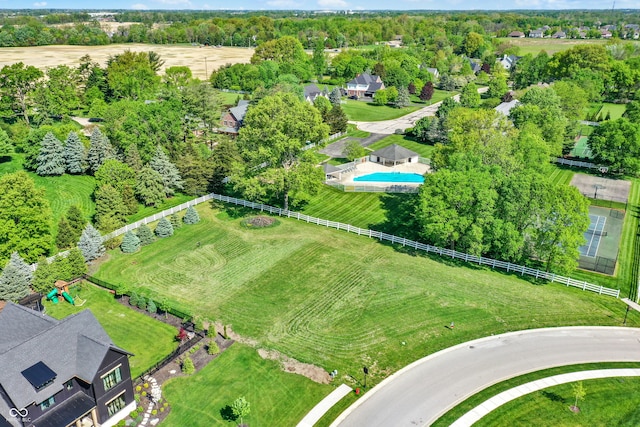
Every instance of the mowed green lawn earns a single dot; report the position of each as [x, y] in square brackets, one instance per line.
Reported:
[148, 339]
[551, 46]
[276, 398]
[361, 111]
[340, 300]
[608, 402]
[438, 95]
[424, 150]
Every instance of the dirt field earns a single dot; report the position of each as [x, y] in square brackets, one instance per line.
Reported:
[199, 59]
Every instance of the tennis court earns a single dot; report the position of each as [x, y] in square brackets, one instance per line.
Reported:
[593, 235]
[600, 251]
[581, 149]
[595, 187]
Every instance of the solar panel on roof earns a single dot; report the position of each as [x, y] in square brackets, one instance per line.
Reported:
[39, 375]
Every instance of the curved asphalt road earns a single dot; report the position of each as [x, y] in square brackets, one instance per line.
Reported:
[420, 393]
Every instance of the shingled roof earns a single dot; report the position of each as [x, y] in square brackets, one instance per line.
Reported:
[394, 152]
[72, 347]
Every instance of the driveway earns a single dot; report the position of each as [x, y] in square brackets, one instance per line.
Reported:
[420, 393]
[389, 127]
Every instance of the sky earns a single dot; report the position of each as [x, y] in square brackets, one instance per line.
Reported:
[324, 4]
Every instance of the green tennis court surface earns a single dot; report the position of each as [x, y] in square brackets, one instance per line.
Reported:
[581, 149]
[600, 251]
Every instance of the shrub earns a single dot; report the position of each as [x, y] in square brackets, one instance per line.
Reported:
[142, 303]
[192, 350]
[138, 388]
[187, 366]
[164, 228]
[130, 243]
[133, 299]
[146, 385]
[162, 409]
[121, 423]
[151, 307]
[211, 332]
[165, 404]
[154, 412]
[136, 397]
[213, 348]
[144, 394]
[191, 216]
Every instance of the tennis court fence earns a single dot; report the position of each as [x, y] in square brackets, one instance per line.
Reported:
[493, 263]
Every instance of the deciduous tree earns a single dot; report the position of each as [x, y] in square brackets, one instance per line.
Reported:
[17, 84]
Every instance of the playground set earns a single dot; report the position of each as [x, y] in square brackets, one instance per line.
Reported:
[61, 290]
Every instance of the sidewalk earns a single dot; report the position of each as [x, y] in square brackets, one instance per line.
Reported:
[498, 400]
[325, 404]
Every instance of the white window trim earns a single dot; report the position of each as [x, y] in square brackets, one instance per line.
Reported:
[110, 371]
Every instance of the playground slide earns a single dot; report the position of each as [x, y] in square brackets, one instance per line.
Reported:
[53, 296]
[68, 298]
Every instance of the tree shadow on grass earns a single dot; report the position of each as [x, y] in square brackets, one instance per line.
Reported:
[227, 414]
[553, 396]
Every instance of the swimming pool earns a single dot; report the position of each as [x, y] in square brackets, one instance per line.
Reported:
[412, 178]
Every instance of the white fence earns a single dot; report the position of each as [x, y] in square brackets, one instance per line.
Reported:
[576, 163]
[372, 188]
[522, 270]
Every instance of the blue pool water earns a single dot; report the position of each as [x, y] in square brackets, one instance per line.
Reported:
[391, 177]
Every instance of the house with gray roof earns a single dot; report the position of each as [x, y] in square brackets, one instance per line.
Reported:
[233, 118]
[508, 61]
[60, 373]
[364, 84]
[311, 92]
[393, 155]
[506, 107]
[536, 34]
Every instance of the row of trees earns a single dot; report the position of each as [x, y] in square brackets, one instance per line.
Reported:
[143, 236]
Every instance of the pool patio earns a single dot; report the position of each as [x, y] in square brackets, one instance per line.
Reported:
[344, 176]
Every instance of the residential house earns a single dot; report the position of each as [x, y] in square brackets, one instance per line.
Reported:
[506, 107]
[508, 61]
[434, 72]
[606, 34]
[475, 64]
[632, 31]
[516, 34]
[559, 35]
[536, 34]
[311, 92]
[58, 373]
[233, 118]
[364, 84]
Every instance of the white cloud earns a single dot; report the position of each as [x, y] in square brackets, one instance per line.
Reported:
[283, 3]
[333, 4]
[139, 6]
[174, 2]
[40, 4]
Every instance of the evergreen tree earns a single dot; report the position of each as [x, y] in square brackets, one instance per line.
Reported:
[427, 91]
[191, 216]
[164, 228]
[100, 149]
[77, 264]
[132, 158]
[43, 279]
[129, 200]
[61, 268]
[130, 243]
[74, 154]
[335, 96]
[149, 187]
[91, 243]
[13, 283]
[22, 266]
[142, 303]
[403, 99]
[171, 179]
[151, 307]
[66, 235]
[6, 146]
[50, 161]
[175, 221]
[145, 235]
[110, 211]
[337, 120]
[76, 221]
[133, 299]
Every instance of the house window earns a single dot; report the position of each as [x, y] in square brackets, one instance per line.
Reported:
[111, 379]
[68, 385]
[116, 404]
[47, 403]
[225, 123]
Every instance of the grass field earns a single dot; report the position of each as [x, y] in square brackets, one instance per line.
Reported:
[475, 400]
[601, 109]
[551, 46]
[424, 150]
[201, 60]
[361, 111]
[607, 403]
[149, 340]
[438, 95]
[229, 98]
[560, 175]
[340, 300]
[277, 398]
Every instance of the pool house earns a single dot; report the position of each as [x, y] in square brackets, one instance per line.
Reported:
[393, 155]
